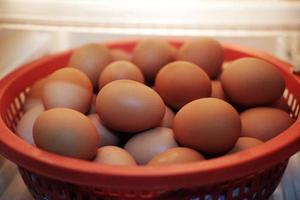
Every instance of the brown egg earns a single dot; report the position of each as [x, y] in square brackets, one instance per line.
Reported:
[207, 53]
[112, 155]
[174, 51]
[217, 90]
[264, 123]
[93, 105]
[129, 106]
[107, 137]
[118, 54]
[34, 96]
[68, 88]
[180, 82]
[177, 155]
[282, 104]
[226, 64]
[252, 82]
[25, 125]
[244, 143]
[145, 145]
[150, 55]
[167, 121]
[120, 70]
[209, 125]
[66, 132]
[91, 59]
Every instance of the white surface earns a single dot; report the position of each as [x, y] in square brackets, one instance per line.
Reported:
[156, 17]
[18, 47]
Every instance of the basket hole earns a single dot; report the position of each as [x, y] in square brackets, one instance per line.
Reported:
[297, 111]
[61, 193]
[50, 188]
[13, 109]
[254, 197]
[39, 182]
[248, 187]
[45, 198]
[263, 192]
[290, 99]
[32, 177]
[85, 197]
[236, 192]
[208, 197]
[73, 195]
[222, 196]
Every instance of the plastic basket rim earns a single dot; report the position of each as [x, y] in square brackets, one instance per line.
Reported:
[87, 173]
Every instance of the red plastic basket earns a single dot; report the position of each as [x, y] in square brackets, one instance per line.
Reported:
[251, 174]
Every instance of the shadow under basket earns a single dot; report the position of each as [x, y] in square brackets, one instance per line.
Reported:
[248, 175]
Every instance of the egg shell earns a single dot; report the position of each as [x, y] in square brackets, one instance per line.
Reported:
[34, 96]
[31, 103]
[180, 82]
[209, 125]
[177, 155]
[129, 106]
[252, 82]
[264, 123]
[107, 137]
[217, 90]
[145, 145]
[25, 125]
[68, 88]
[244, 143]
[207, 53]
[120, 70]
[91, 59]
[150, 55]
[112, 155]
[282, 104]
[167, 121]
[118, 54]
[93, 104]
[66, 132]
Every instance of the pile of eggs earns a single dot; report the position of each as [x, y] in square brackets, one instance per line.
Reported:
[158, 106]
